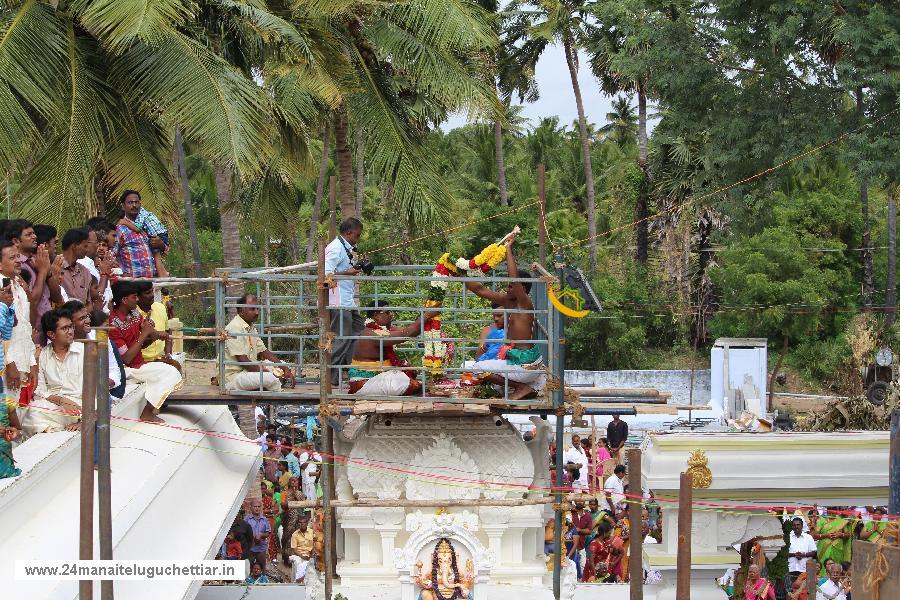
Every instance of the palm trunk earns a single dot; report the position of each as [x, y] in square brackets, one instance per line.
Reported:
[231, 231]
[868, 282]
[644, 191]
[360, 171]
[345, 167]
[320, 191]
[890, 296]
[501, 163]
[181, 164]
[572, 62]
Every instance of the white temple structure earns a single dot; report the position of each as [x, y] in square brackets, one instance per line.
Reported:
[380, 545]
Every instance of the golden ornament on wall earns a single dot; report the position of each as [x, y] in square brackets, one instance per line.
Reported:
[698, 468]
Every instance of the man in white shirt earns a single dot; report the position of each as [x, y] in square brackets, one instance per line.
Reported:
[57, 397]
[309, 465]
[343, 299]
[802, 547]
[832, 588]
[613, 491]
[575, 462]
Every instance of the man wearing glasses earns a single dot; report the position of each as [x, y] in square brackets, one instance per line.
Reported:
[57, 397]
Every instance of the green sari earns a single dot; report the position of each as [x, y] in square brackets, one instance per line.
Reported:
[7, 464]
[872, 531]
[837, 550]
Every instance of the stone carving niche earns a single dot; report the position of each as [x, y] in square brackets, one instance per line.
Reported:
[425, 531]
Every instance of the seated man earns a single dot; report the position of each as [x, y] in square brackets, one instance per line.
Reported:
[520, 363]
[246, 347]
[372, 352]
[301, 548]
[57, 397]
[82, 321]
[130, 333]
[161, 349]
[487, 349]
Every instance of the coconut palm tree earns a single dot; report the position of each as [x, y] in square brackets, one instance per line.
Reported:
[621, 123]
[101, 86]
[534, 25]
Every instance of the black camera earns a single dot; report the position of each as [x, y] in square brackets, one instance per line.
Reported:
[366, 266]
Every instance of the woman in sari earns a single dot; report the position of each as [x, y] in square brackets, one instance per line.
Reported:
[799, 590]
[757, 588]
[834, 539]
[874, 529]
[270, 510]
[597, 567]
[9, 430]
[597, 517]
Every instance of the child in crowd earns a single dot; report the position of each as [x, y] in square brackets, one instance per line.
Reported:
[231, 549]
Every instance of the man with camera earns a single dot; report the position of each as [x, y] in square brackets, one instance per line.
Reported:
[343, 298]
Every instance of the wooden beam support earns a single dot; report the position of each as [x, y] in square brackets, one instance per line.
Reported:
[685, 517]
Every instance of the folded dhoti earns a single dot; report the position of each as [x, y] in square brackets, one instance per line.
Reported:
[368, 379]
[299, 566]
[522, 366]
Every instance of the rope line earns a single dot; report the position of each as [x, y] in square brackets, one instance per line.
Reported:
[449, 480]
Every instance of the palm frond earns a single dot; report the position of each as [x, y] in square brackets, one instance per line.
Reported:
[119, 24]
[418, 193]
[220, 110]
[445, 24]
[436, 72]
[33, 58]
[268, 26]
[138, 157]
[58, 188]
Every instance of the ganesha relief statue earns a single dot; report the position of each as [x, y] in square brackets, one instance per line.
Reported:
[444, 580]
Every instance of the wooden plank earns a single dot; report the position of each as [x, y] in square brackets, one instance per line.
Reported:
[863, 555]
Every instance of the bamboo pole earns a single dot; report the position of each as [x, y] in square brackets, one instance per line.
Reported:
[324, 397]
[812, 578]
[558, 401]
[542, 225]
[88, 427]
[104, 478]
[636, 539]
[683, 561]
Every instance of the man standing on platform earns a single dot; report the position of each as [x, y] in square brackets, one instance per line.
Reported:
[343, 298]
[616, 436]
[244, 346]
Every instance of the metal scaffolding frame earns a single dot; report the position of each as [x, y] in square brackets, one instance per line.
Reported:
[308, 331]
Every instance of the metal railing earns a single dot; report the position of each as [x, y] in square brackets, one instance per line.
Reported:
[287, 324]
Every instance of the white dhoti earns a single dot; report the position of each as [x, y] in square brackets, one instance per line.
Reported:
[386, 383]
[249, 382]
[42, 416]
[159, 380]
[299, 566]
[533, 377]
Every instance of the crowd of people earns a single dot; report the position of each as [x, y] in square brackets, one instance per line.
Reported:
[53, 292]
[823, 536]
[266, 528]
[596, 533]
